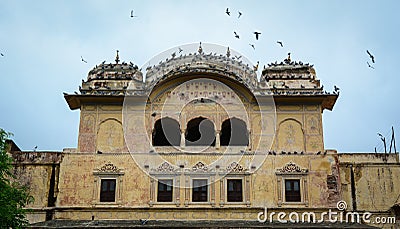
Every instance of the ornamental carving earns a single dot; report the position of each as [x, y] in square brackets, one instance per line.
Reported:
[235, 167]
[291, 168]
[165, 167]
[200, 167]
[108, 168]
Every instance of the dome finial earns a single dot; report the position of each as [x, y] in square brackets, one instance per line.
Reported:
[117, 57]
[200, 49]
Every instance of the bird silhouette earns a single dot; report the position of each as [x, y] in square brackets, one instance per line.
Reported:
[371, 56]
[257, 34]
[34, 149]
[255, 67]
[83, 60]
[227, 12]
[319, 152]
[236, 35]
[132, 14]
[180, 50]
[253, 46]
[1, 54]
[99, 152]
[336, 88]
[240, 14]
[370, 66]
[280, 42]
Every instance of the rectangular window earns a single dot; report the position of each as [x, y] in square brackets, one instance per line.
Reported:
[200, 190]
[107, 192]
[292, 191]
[235, 191]
[165, 189]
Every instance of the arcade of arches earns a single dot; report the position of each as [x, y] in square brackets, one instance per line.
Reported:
[200, 131]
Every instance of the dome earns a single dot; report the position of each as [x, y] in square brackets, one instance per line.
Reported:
[111, 77]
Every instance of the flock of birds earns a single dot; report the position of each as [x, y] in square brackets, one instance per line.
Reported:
[294, 153]
[256, 33]
[237, 36]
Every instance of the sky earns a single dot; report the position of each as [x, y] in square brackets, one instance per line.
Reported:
[43, 41]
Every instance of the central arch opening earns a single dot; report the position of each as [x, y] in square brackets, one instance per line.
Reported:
[234, 133]
[200, 132]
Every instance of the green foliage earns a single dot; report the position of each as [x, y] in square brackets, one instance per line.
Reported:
[13, 196]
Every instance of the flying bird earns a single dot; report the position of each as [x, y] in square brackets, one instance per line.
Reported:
[132, 14]
[240, 14]
[257, 34]
[236, 35]
[371, 56]
[180, 50]
[227, 12]
[370, 65]
[83, 60]
[35, 148]
[1, 54]
[253, 46]
[280, 42]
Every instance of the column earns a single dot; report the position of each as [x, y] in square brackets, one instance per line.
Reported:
[217, 142]
[182, 138]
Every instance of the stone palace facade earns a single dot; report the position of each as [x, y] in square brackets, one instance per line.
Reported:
[200, 137]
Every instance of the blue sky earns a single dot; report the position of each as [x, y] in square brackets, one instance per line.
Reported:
[43, 41]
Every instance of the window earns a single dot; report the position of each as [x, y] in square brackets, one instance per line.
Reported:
[166, 132]
[234, 133]
[107, 192]
[164, 193]
[292, 191]
[200, 132]
[235, 193]
[200, 190]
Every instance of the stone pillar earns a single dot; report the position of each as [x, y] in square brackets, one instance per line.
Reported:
[250, 145]
[217, 142]
[182, 138]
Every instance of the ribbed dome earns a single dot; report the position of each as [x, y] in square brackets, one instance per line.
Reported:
[111, 78]
[116, 71]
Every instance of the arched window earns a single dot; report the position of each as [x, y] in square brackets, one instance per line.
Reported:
[234, 133]
[166, 132]
[200, 132]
